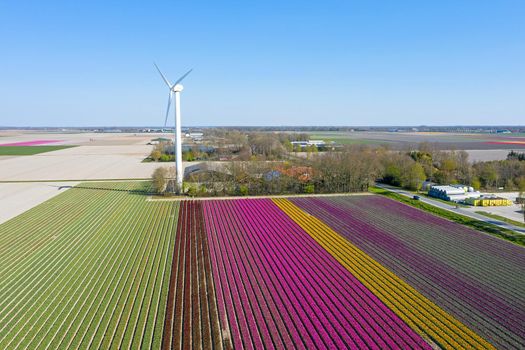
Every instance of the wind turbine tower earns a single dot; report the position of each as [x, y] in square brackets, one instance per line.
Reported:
[174, 92]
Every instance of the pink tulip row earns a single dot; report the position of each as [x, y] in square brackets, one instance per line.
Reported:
[276, 287]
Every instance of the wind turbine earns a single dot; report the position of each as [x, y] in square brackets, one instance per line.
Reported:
[174, 91]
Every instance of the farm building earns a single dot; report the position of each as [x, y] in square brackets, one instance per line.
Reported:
[194, 134]
[488, 201]
[453, 193]
[317, 143]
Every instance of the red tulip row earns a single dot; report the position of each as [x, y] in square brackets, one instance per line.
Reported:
[191, 311]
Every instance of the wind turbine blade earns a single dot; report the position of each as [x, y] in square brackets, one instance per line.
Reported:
[184, 76]
[162, 75]
[167, 110]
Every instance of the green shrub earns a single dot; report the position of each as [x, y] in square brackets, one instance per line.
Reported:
[243, 190]
[309, 189]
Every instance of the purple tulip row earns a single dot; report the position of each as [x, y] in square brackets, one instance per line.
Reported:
[276, 287]
[470, 238]
[381, 228]
[465, 250]
[486, 262]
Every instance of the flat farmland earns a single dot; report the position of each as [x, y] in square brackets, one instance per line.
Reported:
[16, 198]
[96, 156]
[445, 141]
[80, 163]
[478, 155]
[103, 265]
[74, 138]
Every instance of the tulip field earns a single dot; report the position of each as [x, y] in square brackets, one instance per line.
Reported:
[472, 276]
[104, 266]
[87, 269]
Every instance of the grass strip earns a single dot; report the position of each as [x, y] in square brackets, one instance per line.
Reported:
[30, 150]
[501, 218]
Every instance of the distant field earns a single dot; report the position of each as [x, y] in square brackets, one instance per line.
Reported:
[82, 162]
[345, 140]
[446, 141]
[29, 150]
[101, 266]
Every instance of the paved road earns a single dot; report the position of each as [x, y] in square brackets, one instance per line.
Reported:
[452, 208]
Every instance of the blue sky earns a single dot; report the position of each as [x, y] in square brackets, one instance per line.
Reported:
[87, 63]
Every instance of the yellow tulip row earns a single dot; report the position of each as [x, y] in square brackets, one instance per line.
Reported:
[429, 320]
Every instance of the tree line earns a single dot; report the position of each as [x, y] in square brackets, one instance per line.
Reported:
[353, 169]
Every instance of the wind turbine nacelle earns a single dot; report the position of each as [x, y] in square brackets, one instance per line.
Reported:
[178, 88]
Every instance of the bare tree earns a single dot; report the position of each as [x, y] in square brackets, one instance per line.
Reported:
[162, 179]
[266, 145]
[353, 169]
